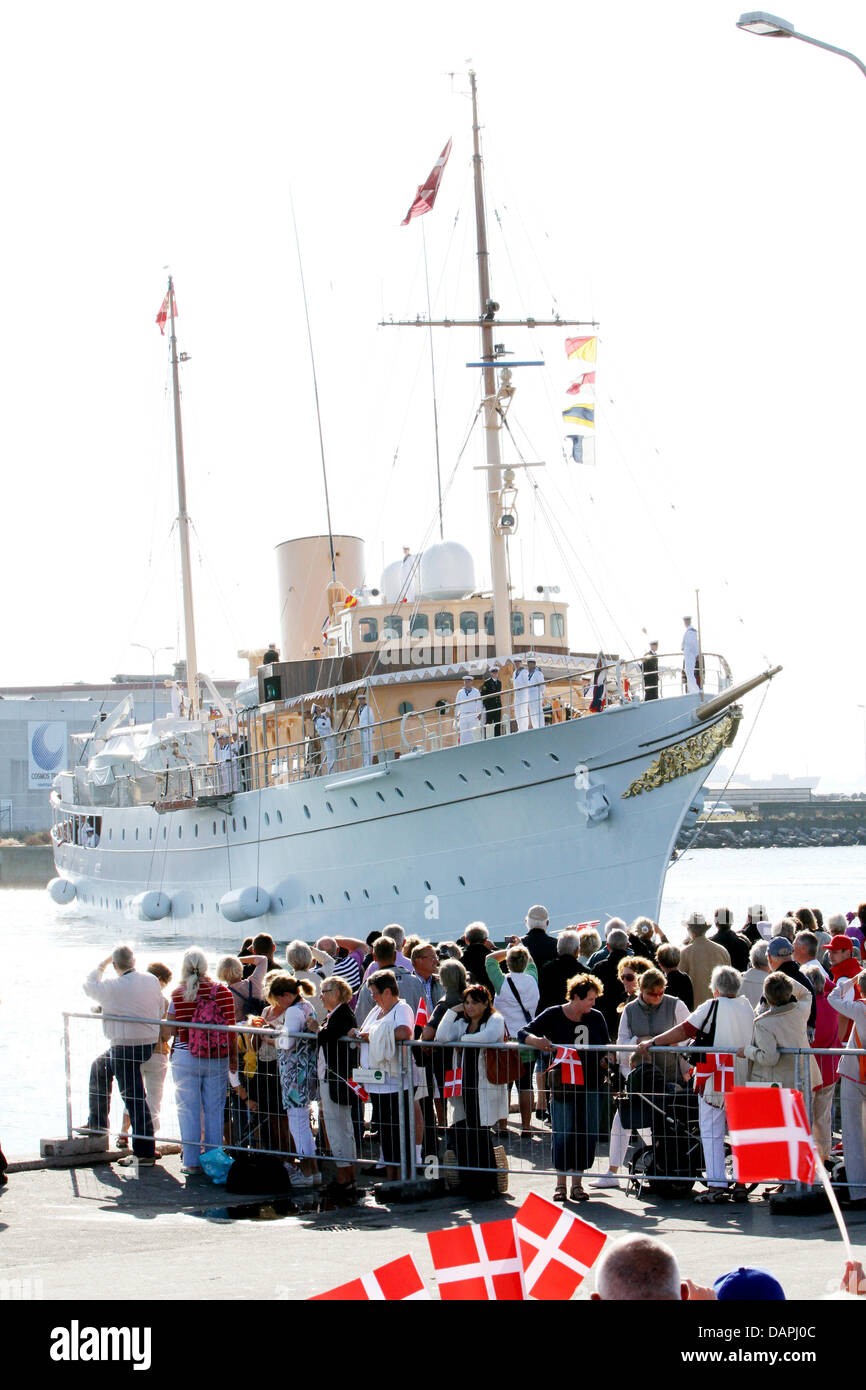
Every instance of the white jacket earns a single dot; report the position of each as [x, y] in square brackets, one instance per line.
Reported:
[492, 1100]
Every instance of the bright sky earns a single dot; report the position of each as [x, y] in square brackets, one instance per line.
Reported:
[697, 190]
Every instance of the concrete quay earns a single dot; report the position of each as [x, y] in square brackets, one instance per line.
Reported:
[96, 1231]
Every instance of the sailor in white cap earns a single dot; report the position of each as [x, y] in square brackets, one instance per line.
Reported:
[520, 682]
[468, 711]
[325, 729]
[535, 683]
[491, 698]
[690, 658]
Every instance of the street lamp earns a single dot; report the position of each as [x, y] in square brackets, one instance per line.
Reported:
[770, 26]
[153, 651]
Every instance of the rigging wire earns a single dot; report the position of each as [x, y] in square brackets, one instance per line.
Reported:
[315, 392]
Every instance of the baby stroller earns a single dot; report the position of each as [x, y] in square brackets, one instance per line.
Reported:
[669, 1164]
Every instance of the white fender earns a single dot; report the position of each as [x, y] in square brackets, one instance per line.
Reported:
[62, 890]
[152, 906]
[243, 903]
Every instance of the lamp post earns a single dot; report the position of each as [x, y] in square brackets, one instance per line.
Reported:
[153, 651]
[770, 26]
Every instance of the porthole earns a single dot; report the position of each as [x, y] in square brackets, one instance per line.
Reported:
[111, 834]
[500, 769]
[321, 899]
[164, 831]
[312, 900]
[224, 825]
[214, 827]
[267, 819]
[461, 880]
[330, 807]
[487, 772]
[195, 831]
[136, 832]
[399, 793]
[354, 802]
[307, 812]
[150, 832]
[427, 885]
[380, 796]
[430, 785]
[123, 834]
[525, 763]
[366, 894]
[396, 890]
[244, 822]
[179, 832]
[280, 817]
[346, 895]
[462, 778]
[554, 756]
[201, 910]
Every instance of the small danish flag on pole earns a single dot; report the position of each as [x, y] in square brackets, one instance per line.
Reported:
[422, 1015]
[358, 1089]
[770, 1135]
[569, 1063]
[426, 195]
[481, 1263]
[453, 1084]
[557, 1250]
[717, 1067]
[396, 1282]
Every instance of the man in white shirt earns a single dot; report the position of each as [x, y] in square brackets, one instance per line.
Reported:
[468, 712]
[520, 685]
[131, 996]
[535, 686]
[690, 658]
[365, 724]
[325, 729]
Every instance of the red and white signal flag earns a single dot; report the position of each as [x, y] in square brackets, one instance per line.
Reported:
[426, 195]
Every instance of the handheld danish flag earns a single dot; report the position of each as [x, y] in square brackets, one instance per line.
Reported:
[396, 1282]
[453, 1085]
[571, 1068]
[481, 1263]
[717, 1067]
[557, 1250]
[422, 1015]
[358, 1089]
[770, 1135]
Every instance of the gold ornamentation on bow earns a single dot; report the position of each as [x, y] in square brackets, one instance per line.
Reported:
[689, 756]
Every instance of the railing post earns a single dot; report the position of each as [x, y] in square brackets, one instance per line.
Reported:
[401, 1117]
[67, 1068]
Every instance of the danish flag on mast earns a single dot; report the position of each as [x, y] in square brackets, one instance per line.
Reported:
[426, 195]
[162, 316]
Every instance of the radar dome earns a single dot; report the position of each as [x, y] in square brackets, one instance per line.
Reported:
[447, 571]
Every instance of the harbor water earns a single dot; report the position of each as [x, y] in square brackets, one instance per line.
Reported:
[48, 951]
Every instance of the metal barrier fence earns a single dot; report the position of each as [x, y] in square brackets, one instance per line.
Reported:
[619, 1119]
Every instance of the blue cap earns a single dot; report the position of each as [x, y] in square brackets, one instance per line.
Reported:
[749, 1285]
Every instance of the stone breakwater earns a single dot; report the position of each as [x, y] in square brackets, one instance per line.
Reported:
[812, 825]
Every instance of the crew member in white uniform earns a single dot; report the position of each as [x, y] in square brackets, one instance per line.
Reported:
[535, 688]
[223, 755]
[690, 658]
[365, 724]
[520, 685]
[468, 712]
[325, 729]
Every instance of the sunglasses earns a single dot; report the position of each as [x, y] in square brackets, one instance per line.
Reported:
[629, 977]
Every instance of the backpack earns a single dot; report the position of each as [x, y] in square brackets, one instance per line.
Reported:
[208, 1043]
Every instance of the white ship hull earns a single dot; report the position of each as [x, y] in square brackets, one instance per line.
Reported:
[435, 841]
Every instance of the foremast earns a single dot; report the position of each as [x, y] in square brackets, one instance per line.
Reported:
[183, 519]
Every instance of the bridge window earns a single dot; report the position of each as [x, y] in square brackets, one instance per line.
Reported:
[443, 624]
[557, 624]
[517, 623]
[489, 627]
[368, 629]
[392, 627]
[469, 622]
[538, 624]
[405, 707]
[420, 625]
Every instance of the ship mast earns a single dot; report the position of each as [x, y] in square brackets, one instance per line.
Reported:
[498, 558]
[183, 522]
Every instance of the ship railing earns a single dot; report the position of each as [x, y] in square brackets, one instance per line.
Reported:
[411, 733]
[617, 1110]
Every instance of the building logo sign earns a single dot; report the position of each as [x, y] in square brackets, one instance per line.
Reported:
[46, 746]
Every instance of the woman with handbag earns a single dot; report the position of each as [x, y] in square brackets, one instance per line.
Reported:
[575, 1082]
[336, 1060]
[203, 1060]
[481, 1102]
[516, 996]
